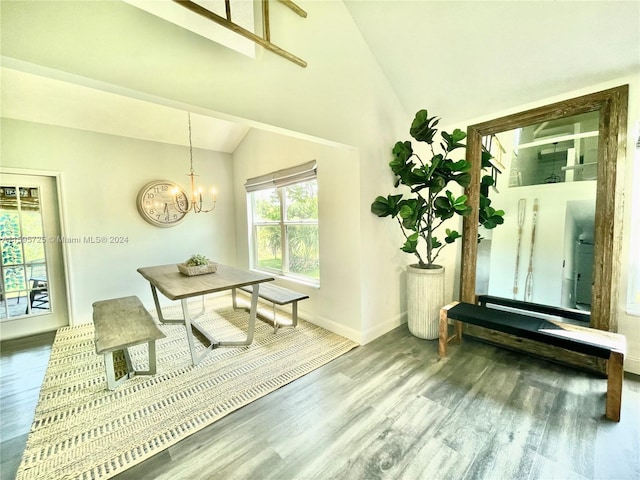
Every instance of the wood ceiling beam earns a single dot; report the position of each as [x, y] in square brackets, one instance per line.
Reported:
[208, 14]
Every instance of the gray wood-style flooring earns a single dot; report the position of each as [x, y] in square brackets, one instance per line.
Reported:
[387, 410]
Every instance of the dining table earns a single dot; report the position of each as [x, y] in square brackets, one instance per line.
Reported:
[175, 285]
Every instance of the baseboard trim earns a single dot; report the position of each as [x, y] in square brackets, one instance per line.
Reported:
[632, 365]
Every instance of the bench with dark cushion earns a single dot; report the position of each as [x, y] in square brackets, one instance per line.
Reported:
[589, 341]
[121, 323]
[277, 296]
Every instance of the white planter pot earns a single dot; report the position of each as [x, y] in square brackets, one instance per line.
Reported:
[425, 297]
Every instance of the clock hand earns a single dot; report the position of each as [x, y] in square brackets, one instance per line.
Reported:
[166, 210]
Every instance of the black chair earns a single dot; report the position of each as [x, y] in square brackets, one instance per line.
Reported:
[39, 292]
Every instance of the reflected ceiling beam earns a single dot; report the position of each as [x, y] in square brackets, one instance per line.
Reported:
[292, 6]
[227, 23]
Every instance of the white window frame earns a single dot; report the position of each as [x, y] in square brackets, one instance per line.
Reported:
[279, 181]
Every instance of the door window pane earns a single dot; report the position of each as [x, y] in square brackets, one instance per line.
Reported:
[24, 270]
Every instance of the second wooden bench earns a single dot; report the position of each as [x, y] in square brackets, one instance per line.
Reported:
[121, 323]
[277, 296]
[589, 341]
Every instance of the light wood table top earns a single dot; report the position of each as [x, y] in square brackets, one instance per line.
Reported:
[176, 286]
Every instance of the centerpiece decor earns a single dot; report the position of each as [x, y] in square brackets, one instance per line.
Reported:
[422, 210]
[197, 265]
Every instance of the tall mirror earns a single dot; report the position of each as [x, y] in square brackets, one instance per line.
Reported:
[556, 172]
[545, 178]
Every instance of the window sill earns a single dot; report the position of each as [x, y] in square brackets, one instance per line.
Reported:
[287, 278]
[633, 311]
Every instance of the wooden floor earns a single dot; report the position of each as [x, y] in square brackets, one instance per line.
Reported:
[387, 410]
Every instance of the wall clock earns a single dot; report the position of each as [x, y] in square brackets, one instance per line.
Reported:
[158, 204]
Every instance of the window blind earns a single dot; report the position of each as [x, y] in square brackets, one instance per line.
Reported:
[281, 178]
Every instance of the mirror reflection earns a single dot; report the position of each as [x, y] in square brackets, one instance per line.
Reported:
[545, 176]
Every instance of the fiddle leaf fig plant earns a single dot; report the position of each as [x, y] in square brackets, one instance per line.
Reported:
[422, 211]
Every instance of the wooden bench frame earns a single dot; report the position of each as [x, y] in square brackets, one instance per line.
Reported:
[121, 323]
[277, 296]
[590, 341]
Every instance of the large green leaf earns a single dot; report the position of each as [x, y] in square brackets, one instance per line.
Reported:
[489, 217]
[453, 140]
[402, 151]
[423, 128]
[452, 236]
[463, 179]
[411, 244]
[412, 211]
[384, 207]
[435, 243]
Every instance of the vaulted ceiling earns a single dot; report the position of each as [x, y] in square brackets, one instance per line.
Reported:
[464, 59]
[459, 59]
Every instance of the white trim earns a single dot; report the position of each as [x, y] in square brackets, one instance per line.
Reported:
[632, 365]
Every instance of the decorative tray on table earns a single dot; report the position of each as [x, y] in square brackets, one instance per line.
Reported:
[197, 265]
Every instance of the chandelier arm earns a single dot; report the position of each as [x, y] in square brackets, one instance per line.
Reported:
[194, 202]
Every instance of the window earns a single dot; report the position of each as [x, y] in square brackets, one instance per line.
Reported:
[284, 223]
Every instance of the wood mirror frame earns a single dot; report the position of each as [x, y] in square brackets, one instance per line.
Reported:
[612, 105]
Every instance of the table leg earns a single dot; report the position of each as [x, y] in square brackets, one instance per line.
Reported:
[195, 358]
[252, 321]
[189, 324]
[161, 318]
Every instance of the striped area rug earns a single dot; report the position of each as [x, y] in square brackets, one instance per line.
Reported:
[81, 430]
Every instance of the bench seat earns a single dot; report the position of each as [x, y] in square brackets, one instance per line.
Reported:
[277, 296]
[121, 323]
[589, 341]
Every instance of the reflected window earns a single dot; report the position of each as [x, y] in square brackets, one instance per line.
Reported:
[24, 281]
[563, 150]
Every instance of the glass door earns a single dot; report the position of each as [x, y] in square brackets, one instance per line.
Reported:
[32, 291]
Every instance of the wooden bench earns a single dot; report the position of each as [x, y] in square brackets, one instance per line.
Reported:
[589, 341]
[121, 323]
[277, 296]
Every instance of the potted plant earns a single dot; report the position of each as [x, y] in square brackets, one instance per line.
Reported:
[421, 212]
[197, 264]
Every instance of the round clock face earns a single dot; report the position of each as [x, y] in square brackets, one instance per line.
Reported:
[160, 205]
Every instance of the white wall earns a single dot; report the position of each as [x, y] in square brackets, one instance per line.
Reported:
[336, 303]
[548, 246]
[101, 176]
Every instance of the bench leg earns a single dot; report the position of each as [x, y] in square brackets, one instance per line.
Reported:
[152, 360]
[112, 383]
[110, 370]
[294, 313]
[443, 333]
[615, 373]
[443, 329]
